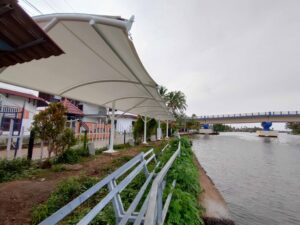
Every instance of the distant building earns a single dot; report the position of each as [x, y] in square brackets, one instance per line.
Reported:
[124, 122]
[93, 113]
[19, 106]
[73, 112]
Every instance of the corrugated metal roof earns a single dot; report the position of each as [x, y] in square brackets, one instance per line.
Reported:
[21, 39]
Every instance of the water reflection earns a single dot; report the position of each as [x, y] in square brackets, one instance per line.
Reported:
[259, 177]
[206, 136]
[267, 139]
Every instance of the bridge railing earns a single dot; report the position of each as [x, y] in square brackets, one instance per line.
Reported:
[255, 114]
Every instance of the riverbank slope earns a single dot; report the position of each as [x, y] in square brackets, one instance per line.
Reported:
[216, 210]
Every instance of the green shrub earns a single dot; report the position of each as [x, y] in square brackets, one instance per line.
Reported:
[69, 156]
[58, 168]
[82, 152]
[12, 169]
[138, 129]
[184, 207]
[72, 156]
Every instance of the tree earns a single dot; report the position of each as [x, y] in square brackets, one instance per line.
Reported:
[222, 128]
[192, 122]
[295, 127]
[163, 91]
[176, 102]
[49, 126]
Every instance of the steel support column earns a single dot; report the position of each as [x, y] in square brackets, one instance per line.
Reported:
[159, 134]
[145, 130]
[167, 129]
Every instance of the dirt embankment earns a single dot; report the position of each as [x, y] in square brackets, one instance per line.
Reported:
[17, 198]
[216, 210]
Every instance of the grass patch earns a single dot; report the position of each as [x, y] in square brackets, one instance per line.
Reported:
[72, 156]
[58, 168]
[14, 169]
[184, 207]
[65, 191]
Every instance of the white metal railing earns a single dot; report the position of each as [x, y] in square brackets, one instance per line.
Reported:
[156, 212]
[135, 166]
[256, 114]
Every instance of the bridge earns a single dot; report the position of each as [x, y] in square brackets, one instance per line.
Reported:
[259, 117]
[265, 118]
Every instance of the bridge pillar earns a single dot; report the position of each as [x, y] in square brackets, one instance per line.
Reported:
[205, 126]
[266, 132]
[266, 125]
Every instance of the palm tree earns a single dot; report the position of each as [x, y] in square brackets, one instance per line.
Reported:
[176, 101]
[163, 91]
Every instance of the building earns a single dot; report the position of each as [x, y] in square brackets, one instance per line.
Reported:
[19, 107]
[124, 122]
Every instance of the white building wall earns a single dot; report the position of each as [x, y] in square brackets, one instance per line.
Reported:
[90, 108]
[19, 102]
[90, 119]
[124, 124]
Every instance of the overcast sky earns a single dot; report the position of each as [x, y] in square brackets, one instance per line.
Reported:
[227, 56]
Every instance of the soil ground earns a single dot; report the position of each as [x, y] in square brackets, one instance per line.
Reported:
[17, 198]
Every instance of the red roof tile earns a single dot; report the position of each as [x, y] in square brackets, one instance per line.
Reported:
[71, 108]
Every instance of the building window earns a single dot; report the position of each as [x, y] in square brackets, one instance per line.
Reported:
[5, 123]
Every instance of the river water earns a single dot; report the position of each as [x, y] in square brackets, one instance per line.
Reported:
[258, 177]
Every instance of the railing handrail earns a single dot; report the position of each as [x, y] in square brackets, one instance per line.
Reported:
[255, 114]
[153, 207]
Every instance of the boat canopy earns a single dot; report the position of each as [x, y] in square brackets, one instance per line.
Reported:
[100, 65]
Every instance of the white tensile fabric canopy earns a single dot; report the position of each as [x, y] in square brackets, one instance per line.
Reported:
[100, 66]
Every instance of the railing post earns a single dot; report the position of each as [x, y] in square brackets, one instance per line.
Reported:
[159, 204]
[145, 166]
[117, 202]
